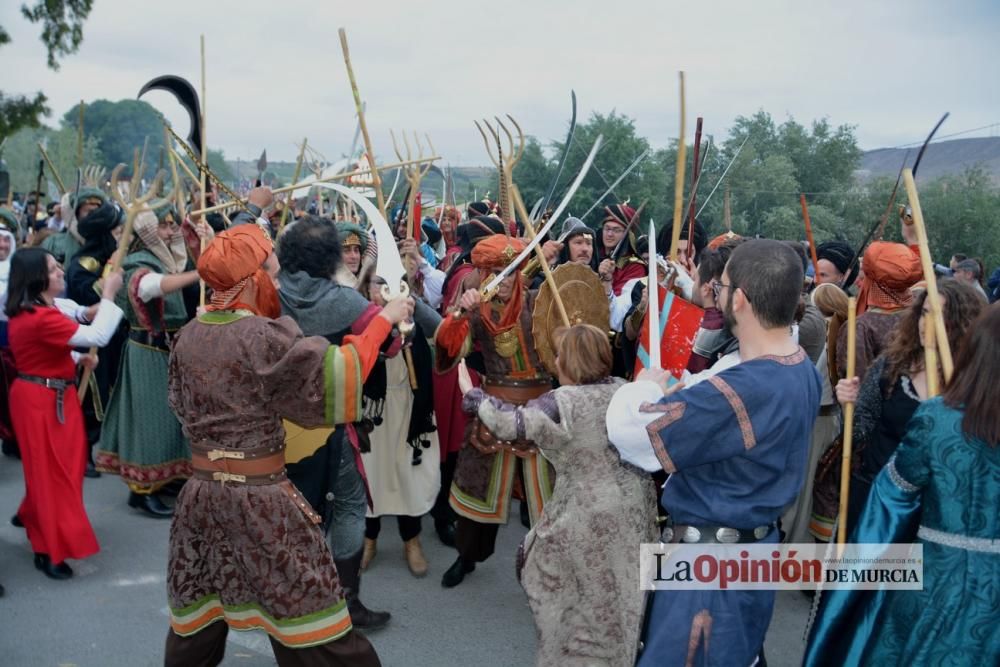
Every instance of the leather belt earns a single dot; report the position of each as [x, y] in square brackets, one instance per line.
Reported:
[235, 466]
[60, 385]
[160, 339]
[714, 534]
[517, 392]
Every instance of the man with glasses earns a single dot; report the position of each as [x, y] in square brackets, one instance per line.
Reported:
[735, 447]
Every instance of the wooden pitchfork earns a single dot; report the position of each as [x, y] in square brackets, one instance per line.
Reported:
[132, 209]
[414, 174]
[504, 162]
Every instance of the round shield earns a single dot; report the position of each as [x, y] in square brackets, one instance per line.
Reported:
[583, 297]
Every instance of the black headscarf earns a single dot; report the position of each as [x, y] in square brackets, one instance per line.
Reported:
[96, 231]
[840, 254]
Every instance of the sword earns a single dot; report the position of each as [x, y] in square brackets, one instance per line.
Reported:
[653, 302]
[726, 171]
[492, 286]
[562, 161]
[628, 170]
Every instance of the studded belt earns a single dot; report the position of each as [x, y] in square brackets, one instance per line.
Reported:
[714, 534]
[60, 385]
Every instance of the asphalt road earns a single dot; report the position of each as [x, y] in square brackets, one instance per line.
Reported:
[113, 612]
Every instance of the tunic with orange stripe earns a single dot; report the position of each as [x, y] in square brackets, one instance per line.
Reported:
[253, 554]
[484, 482]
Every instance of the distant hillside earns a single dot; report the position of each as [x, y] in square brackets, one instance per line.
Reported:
[940, 159]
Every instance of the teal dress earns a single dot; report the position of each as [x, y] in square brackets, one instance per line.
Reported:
[940, 489]
[141, 439]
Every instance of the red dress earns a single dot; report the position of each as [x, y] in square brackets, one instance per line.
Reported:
[53, 454]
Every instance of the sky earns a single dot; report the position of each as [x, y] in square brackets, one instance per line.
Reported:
[276, 74]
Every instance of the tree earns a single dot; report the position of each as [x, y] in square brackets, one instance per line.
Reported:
[119, 128]
[533, 173]
[22, 156]
[62, 33]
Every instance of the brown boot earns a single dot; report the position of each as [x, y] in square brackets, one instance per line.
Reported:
[368, 553]
[415, 559]
[349, 570]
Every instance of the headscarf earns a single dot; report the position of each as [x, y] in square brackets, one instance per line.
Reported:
[96, 231]
[840, 254]
[351, 234]
[722, 238]
[172, 254]
[232, 265]
[5, 263]
[699, 238]
[890, 270]
[492, 254]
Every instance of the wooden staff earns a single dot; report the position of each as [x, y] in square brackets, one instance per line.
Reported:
[675, 239]
[845, 461]
[52, 168]
[530, 229]
[295, 177]
[361, 122]
[695, 174]
[809, 236]
[132, 209]
[931, 358]
[178, 184]
[183, 165]
[204, 162]
[306, 184]
[933, 296]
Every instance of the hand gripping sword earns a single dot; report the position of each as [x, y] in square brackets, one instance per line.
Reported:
[492, 286]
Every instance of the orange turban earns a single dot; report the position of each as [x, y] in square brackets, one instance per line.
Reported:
[890, 270]
[496, 252]
[231, 266]
[722, 238]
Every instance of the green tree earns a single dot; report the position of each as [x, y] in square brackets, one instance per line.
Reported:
[533, 173]
[62, 33]
[22, 156]
[119, 128]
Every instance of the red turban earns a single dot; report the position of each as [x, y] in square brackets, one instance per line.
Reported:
[620, 214]
[231, 266]
[496, 252]
[890, 270]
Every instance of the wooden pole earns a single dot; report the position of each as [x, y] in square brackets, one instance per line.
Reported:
[295, 177]
[52, 168]
[380, 197]
[204, 162]
[675, 239]
[931, 358]
[327, 179]
[530, 229]
[727, 214]
[695, 174]
[809, 237]
[845, 461]
[933, 296]
[178, 184]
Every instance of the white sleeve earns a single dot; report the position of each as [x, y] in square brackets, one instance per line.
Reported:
[77, 356]
[621, 304]
[71, 309]
[627, 425]
[723, 362]
[149, 287]
[103, 328]
[433, 283]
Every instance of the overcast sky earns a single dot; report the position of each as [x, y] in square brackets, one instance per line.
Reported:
[276, 73]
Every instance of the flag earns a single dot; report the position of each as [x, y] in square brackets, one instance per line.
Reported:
[679, 322]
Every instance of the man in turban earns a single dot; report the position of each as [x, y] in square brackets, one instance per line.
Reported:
[499, 325]
[76, 207]
[833, 260]
[245, 546]
[890, 270]
[626, 265]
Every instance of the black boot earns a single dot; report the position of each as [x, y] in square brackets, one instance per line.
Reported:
[150, 504]
[456, 573]
[445, 532]
[90, 471]
[349, 570]
[52, 571]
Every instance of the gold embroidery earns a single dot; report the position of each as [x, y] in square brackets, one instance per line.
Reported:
[506, 343]
[90, 264]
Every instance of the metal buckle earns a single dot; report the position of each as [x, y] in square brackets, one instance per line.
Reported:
[228, 477]
[691, 535]
[727, 535]
[216, 454]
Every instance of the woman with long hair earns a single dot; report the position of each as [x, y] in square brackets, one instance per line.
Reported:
[48, 420]
[896, 384]
[940, 489]
[579, 564]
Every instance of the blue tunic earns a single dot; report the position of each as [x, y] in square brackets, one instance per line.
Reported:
[942, 489]
[736, 446]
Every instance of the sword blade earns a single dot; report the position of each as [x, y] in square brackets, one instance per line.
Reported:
[653, 302]
[628, 170]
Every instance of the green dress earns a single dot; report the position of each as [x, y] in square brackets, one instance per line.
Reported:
[142, 439]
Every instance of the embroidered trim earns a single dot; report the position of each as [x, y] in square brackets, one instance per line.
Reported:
[898, 479]
[787, 360]
[647, 407]
[736, 403]
[671, 413]
[957, 541]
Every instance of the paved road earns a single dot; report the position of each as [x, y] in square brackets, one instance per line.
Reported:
[113, 613]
